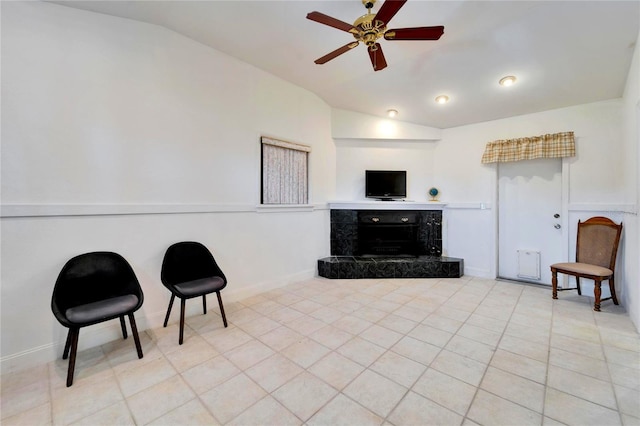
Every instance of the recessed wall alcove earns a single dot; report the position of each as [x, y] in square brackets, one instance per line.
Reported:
[387, 240]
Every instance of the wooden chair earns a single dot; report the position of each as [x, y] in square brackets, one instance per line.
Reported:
[596, 250]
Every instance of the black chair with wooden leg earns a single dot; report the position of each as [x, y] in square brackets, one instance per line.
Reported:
[93, 288]
[596, 250]
[189, 270]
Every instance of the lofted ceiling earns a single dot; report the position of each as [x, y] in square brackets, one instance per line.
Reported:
[563, 52]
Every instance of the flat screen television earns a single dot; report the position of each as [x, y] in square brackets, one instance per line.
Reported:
[386, 184]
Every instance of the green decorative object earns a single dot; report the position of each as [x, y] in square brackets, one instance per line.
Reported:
[433, 194]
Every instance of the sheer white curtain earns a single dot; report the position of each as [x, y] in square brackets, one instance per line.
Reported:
[284, 172]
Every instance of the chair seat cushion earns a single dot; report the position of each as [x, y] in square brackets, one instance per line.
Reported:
[101, 310]
[199, 287]
[583, 268]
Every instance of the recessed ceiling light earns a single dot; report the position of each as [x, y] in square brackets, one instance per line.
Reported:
[507, 81]
[392, 113]
[442, 99]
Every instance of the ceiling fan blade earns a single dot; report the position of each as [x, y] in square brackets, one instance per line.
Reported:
[419, 33]
[388, 10]
[377, 57]
[339, 51]
[328, 20]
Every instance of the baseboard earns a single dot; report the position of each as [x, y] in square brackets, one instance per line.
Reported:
[100, 334]
[30, 358]
[480, 273]
[90, 337]
[237, 294]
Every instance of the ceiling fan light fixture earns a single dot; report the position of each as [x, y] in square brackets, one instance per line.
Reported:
[370, 28]
[392, 113]
[442, 99]
[507, 81]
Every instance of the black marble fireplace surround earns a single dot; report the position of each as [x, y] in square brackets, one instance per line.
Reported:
[387, 244]
[386, 232]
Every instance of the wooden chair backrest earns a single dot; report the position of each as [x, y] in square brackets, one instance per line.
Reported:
[598, 240]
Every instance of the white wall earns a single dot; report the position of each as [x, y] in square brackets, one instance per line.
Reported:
[108, 110]
[596, 181]
[354, 156]
[107, 115]
[365, 142]
[594, 173]
[452, 164]
[631, 126]
[355, 125]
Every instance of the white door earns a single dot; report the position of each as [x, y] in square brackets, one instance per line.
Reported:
[529, 219]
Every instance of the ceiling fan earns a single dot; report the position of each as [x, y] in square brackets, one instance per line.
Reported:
[369, 28]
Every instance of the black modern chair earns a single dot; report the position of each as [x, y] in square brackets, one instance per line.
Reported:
[93, 288]
[189, 270]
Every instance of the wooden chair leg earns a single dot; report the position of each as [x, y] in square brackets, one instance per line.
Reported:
[612, 288]
[124, 327]
[204, 304]
[74, 333]
[181, 339]
[554, 283]
[136, 338]
[224, 318]
[166, 318]
[597, 291]
[67, 345]
[578, 286]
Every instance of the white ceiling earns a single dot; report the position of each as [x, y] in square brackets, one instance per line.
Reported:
[563, 52]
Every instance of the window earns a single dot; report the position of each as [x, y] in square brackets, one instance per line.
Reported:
[284, 172]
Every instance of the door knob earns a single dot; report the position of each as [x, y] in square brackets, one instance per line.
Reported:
[557, 226]
[556, 215]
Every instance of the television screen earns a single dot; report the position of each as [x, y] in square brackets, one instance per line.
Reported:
[386, 184]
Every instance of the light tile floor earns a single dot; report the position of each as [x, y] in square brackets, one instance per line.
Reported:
[358, 352]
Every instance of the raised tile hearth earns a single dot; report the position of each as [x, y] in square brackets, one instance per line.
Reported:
[355, 267]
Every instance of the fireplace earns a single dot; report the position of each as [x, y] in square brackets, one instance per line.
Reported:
[387, 243]
[388, 233]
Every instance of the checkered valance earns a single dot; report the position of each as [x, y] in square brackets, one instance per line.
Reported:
[544, 146]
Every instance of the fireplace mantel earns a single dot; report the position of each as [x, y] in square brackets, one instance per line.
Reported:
[386, 205]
